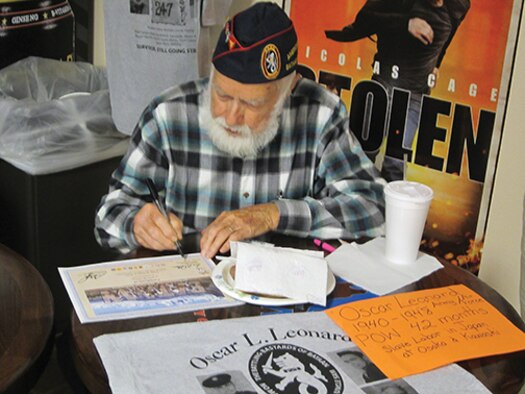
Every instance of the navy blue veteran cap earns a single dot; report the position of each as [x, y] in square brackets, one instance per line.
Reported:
[257, 45]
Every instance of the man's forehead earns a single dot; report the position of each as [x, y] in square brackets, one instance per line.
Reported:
[232, 87]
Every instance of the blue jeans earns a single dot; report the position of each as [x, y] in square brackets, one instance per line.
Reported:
[392, 168]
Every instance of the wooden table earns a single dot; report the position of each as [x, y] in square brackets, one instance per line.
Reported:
[26, 323]
[501, 374]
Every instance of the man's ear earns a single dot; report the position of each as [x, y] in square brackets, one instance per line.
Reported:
[296, 79]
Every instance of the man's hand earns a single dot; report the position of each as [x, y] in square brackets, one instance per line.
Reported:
[420, 29]
[238, 225]
[435, 71]
[153, 231]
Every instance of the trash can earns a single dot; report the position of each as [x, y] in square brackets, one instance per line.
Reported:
[58, 148]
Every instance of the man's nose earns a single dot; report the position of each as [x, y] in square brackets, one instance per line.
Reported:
[235, 114]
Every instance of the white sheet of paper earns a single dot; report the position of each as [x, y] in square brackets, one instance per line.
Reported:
[148, 53]
[281, 272]
[366, 266]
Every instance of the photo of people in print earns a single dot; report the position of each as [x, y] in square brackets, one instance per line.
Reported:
[358, 366]
[229, 382]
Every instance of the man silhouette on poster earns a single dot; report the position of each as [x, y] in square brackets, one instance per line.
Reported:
[412, 38]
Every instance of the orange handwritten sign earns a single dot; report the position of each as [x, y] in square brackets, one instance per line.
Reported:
[409, 333]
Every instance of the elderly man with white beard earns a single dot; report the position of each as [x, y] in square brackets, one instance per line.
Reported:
[251, 149]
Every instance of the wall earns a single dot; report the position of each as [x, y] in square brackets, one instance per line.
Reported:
[500, 266]
[99, 54]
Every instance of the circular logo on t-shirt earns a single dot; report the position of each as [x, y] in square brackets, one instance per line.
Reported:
[286, 368]
[270, 61]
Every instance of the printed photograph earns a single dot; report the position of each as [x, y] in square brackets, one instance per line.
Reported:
[152, 296]
[230, 382]
[357, 366]
[139, 7]
[175, 12]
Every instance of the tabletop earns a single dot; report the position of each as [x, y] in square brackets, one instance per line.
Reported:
[501, 374]
[26, 323]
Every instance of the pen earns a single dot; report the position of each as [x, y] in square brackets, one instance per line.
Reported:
[323, 245]
[161, 208]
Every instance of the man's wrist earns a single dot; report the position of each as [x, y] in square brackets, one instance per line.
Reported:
[295, 216]
[273, 216]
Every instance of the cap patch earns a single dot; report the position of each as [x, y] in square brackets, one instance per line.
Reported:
[230, 37]
[270, 61]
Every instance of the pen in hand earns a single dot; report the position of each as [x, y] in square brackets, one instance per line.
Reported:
[155, 196]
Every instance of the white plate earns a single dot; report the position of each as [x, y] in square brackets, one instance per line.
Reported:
[224, 281]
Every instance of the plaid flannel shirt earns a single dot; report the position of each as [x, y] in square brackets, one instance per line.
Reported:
[314, 170]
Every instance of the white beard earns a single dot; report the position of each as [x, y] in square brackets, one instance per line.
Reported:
[247, 143]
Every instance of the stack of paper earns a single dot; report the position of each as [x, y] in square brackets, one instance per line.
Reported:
[281, 272]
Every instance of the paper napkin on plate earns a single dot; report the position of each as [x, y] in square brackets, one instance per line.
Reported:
[366, 266]
[281, 272]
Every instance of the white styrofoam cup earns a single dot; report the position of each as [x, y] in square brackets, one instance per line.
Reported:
[407, 206]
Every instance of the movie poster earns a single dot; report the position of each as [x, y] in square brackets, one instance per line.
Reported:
[425, 83]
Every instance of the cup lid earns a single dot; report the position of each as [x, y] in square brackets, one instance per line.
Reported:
[409, 191]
